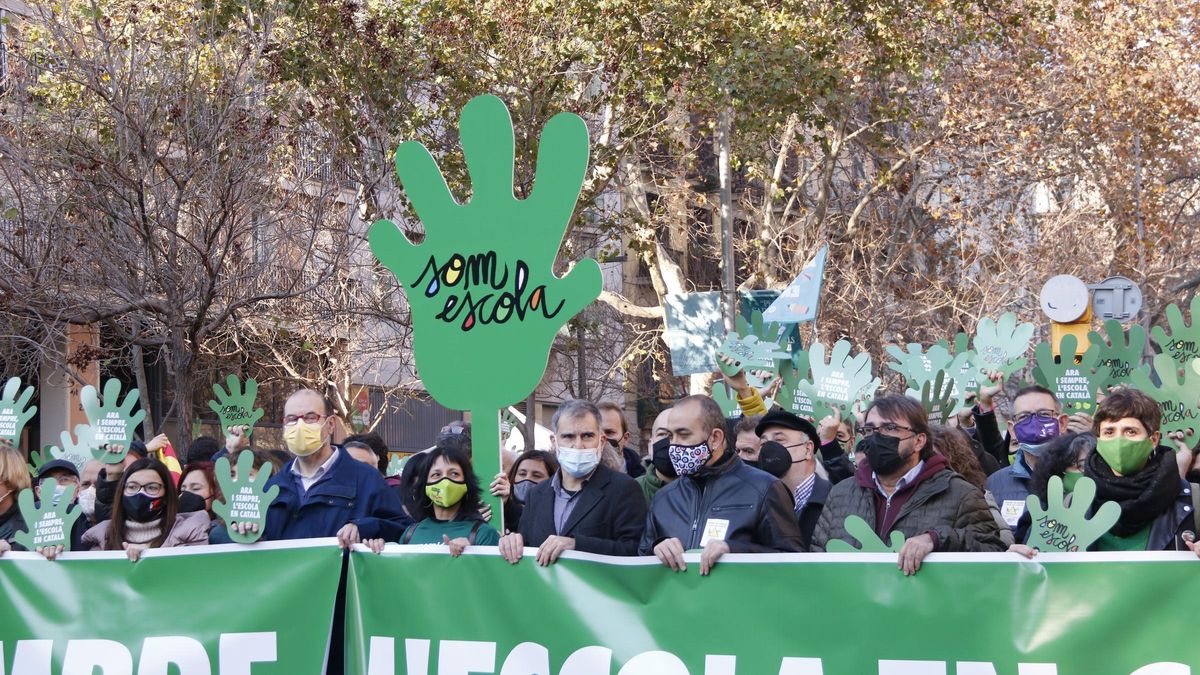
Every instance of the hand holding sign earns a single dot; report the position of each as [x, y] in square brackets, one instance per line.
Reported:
[15, 410]
[1001, 345]
[758, 360]
[1062, 528]
[1183, 342]
[869, 542]
[112, 423]
[1178, 395]
[1075, 385]
[235, 406]
[48, 525]
[244, 501]
[1120, 353]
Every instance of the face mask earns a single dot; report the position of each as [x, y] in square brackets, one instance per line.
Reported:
[883, 454]
[687, 459]
[1036, 430]
[303, 439]
[661, 458]
[1031, 450]
[141, 507]
[1069, 480]
[190, 502]
[446, 492]
[578, 462]
[87, 501]
[58, 493]
[1123, 455]
[521, 489]
[774, 459]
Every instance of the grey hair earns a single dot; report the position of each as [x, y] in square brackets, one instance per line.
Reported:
[575, 408]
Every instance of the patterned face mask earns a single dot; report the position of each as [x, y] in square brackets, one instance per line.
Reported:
[687, 459]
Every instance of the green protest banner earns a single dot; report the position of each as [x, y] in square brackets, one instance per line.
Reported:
[210, 610]
[1097, 614]
[485, 298]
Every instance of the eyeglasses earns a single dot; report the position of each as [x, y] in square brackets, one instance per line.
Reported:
[151, 489]
[1022, 417]
[889, 428]
[309, 418]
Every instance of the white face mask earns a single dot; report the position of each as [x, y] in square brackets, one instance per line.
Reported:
[578, 462]
[87, 501]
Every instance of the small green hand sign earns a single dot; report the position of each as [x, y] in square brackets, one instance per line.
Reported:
[1062, 528]
[112, 423]
[1001, 345]
[1075, 385]
[1120, 352]
[938, 398]
[726, 399]
[244, 500]
[797, 395]
[47, 524]
[759, 360]
[1183, 342]
[485, 301]
[235, 406]
[39, 458]
[869, 542]
[15, 410]
[917, 365]
[1177, 395]
[842, 380]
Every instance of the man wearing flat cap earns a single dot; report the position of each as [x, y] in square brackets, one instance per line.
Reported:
[803, 478]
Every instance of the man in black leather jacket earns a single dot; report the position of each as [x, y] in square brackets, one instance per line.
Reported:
[718, 503]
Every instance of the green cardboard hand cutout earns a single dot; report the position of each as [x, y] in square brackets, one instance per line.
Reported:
[917, 365]
[15, 410]
[1177, 395]
[1074, 385]
[245, 500]
[1067, 529]
[759, 360]
[78, 450]
[869, 542]
[1001, 345]
[797, 395]
[842, 380]
[1120, 353]
[765, 332]
[726, 400]
[1183, 342]
[39, 458]
[396, 465]
[112, 423]
[235, 406]
[47, 524]
[485, 302]
[938, 397]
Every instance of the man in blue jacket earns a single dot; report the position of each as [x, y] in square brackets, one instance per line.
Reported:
[324, 492]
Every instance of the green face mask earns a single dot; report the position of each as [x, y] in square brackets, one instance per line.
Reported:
[445, 492]
[1069, 480]
[1123, 455]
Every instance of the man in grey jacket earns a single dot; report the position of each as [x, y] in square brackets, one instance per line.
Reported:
[905, 486]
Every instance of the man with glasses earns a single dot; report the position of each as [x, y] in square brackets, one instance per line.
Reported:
[323, 491]
[1037, 419]
[904, 486]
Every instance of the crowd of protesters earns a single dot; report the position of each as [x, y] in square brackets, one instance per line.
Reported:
[768, 481]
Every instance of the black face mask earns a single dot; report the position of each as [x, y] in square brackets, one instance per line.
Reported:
[661, 458]
[141, 508]
[883, 453]
[774, 458]
[190, 502]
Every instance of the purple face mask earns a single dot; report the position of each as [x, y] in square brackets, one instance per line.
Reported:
[1036, 429]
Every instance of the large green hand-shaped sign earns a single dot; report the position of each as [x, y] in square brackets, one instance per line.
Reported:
[485, 301]
[1067, 528]
[245, 498]
[113, 422]
[868, 541]
[235, 406]
[15, 410]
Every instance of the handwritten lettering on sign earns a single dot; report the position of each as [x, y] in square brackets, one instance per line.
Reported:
[1056, 535]
[482, 291]
[1176, 411]
[234, 413]
[1119, 369]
